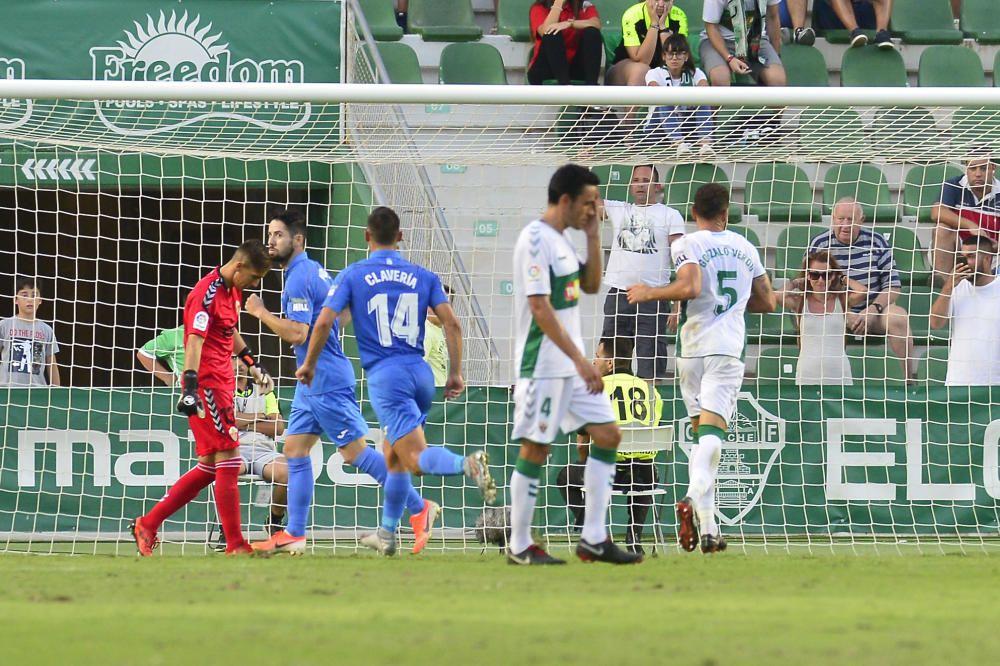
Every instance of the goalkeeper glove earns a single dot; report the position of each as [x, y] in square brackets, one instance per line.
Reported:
[190, 403]
[260, 375]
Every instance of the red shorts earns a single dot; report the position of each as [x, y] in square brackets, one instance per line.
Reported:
[217, 431]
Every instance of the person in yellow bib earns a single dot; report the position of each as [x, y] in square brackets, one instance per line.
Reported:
[635, 403]
[646, 26]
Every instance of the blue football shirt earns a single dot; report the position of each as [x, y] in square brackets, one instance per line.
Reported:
[388, 297]
[307, 285]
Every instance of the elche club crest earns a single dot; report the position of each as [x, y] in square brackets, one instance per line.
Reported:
[755, 439]
[188, 48]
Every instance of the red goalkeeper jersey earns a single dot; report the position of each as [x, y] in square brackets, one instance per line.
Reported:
[212, 312]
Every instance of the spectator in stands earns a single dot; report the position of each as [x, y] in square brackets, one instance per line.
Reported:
[642, 233]
[635, 403]
[28, 346]
[855, 15]
[164, 355]
[801, 33]
[435, 345]
[568, 43]
[646, 26]
[969, 205]
[684, 125]
[752, 50]
[820, 298]
[970, 299]
[867, 257]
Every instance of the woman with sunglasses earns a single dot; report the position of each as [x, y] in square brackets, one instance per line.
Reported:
[820, 297]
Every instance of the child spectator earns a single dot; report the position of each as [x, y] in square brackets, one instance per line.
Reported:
[685, 125]
[28, 346]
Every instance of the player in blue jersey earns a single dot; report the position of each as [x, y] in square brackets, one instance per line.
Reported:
[388, 298]
[328, 404]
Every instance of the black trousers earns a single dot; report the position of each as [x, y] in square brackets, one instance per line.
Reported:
[629, 475]
[646, 323]
[552, 63]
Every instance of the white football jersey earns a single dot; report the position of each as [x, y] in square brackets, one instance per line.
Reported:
[712, 323]
[545, 263]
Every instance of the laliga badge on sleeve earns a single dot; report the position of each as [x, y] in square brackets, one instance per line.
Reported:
[200, 322]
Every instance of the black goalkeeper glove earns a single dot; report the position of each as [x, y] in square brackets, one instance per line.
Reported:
[190, 403]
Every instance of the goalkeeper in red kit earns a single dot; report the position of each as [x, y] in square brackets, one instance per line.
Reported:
[211, 318]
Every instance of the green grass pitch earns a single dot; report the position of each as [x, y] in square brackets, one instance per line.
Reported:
[731, 608]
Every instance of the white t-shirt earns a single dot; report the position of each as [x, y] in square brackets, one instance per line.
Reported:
[712, 13]
[640, 244]
[974, 357]
[712, 323]
[545, 263]
[661, 77]
[251, 401]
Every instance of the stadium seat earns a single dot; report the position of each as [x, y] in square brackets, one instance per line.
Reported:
[980, 21]
[924, 22]
[476, 62]
[694, 10]
[780, 193]
[911, 258]
[400, 62]
[438, 21]
[922, 188]
[996, 70]
[955, 66]
[873, 364]
[615, 179]
[804, 65]
[933, 368]
[907, 133]
[381, 17]
[872, 66]
[864, 182]
[917, 302]
[777, 364]
[512, 19]
[975, 127]
[747, 233]
[770, 329]
[683, 180]
[793, 241]
[831, 131]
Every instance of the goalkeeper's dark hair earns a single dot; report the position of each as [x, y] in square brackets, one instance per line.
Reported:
[619, 350]
[254, 252]
[711, 201]
[383, 224]
[294, 220]
[25, 282]
[570, 179]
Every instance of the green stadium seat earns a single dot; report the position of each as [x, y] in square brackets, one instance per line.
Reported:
[832, 131]
[955, 66]
[924, 22]
[873, 364]
[777, 192]
[438, 21]
[804, 65]
[790, 250]
[922, 188]
[747, 233]
[381, 17]
[872, 66]
[683, 180]
[512, 19]
[933, 368]
[976, 127]
[907, 133]
[400, 62]
[471, 62]
[770, 329]
[980, 21]
[841, 36]
[615, 179]
[911, 259]
[917, 302]
[864, 182]
[694, 10]
[996, 70]
[777, 364]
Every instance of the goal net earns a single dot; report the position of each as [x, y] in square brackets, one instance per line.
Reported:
[118, 197]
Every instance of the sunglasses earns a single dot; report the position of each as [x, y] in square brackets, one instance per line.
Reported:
[818, 275]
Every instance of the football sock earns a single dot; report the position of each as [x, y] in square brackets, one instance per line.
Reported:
[439, 460]
[523, 493]
[372, 463]
[183, 491]
[227, 501]
[705, 461]
[397, 486]
[705, 508]
[598, 475]
[300, 492]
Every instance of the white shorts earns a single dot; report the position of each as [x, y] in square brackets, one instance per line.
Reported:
[543, 407]
[710, 384]
[256, 457]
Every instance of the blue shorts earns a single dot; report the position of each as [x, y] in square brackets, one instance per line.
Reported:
[335, 413]
[401, 391]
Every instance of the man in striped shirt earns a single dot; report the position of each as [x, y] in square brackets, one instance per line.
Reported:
[867, 257]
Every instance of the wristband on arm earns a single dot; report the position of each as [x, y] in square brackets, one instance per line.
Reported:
[246, 356]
